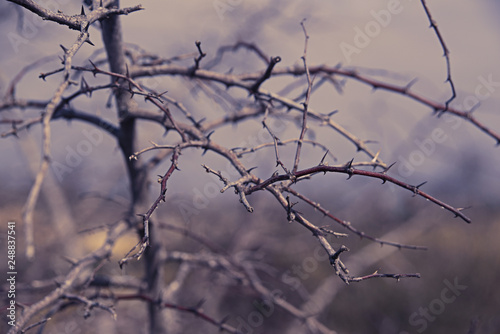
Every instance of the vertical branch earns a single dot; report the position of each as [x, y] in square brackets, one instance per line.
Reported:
[46, 140]
[267, 74]
[112, 37]
[446, 55]
[113, 41]
[201, 55]
[305, 103]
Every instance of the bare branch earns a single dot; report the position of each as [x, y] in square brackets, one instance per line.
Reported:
[305, 103]
[349, 170]
[47, 115]
[267, 74]
[446, 55]
[75, 22]
[347, 224]
[72, 278]
[144, 243]
[235, 98]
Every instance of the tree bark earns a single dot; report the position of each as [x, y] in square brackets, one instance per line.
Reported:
[113, 41]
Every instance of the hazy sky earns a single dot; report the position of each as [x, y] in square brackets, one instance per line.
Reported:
[383, 35]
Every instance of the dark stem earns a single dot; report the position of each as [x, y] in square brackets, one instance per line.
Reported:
[112, 37]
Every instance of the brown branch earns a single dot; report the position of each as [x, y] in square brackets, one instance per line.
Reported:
[194, 135]
[267, 74]
[350, 171]
[195, 310]
[446, 55]
[310, 321]
[46, 154]
[243, 150]
[89, 304]
[325, 120]
[62, 110]
[66, 113]
[215, 262]
[151, 97]
[403, 90]
[144, 243]
[75, 276]
[238, 186]
[240, 81]
[340, 269]
[305, 103]
[88, 118]
[377, 275]
[213, 247]
[347, 224]
[276, 142]
[76, 22]
[198, 59]
[233, 48]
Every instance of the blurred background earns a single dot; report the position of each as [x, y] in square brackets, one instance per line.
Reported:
[459, 271]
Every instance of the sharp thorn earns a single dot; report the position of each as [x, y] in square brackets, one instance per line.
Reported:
[333, 113]
[323, 159]
[251, 169]
[211, 133]
[348, 165]
[421, 184]
[389, 167]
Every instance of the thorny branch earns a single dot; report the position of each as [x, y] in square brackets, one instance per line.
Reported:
[267, 74]
[75, 275]
[197, 134]
[305, 103]
[151, 97]
[46, 118]
[196, 310]
[347, 224]
[446, 55]
[80, 23]
[350, 171]
[76, 22]
[144, 243]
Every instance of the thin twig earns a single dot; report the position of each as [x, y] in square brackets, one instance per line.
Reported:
[350, 171]
[446, 55]
[306, 102]
[73, 277]
[151, 97]
[76, 22]
[144, 243]
[267, 74]
[46, 154]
